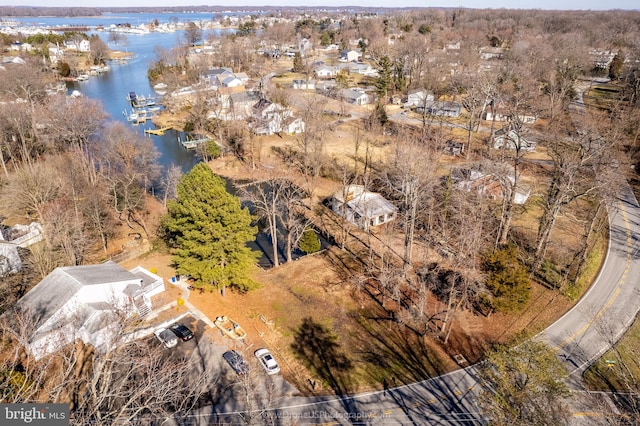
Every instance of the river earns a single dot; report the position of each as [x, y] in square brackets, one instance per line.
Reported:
[112, 87]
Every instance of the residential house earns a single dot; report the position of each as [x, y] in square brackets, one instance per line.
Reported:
[488, 52]
[88, 303]
[489, 185]
[268, 117]
[84, 46]
[497, 112]
[442, 108]
[349, 56]
[362, 208]
[242, 76]
[241, 105]
[418, 97]
[211, 76]
[360, 68]
[78, 45]
[293, 125]
[12, 238]
[10, 261]
[230, 81]
[602, 58]
[266, 109]
[222, 101]
[326, 71]
[55, 52]
[509, 138]
[355, 97]
[304, 84]
[21, 47]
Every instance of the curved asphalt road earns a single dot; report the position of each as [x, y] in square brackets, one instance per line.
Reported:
[583, 334]
[609, 307]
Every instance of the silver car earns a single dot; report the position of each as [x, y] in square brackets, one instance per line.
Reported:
[167, 337]
[268, 362]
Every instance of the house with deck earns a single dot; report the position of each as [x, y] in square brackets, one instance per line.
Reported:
[87, 302]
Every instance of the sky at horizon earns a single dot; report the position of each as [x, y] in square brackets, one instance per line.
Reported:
[475, 4]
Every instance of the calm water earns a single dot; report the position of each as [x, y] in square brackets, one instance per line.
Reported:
[112, 87]
[121, 18]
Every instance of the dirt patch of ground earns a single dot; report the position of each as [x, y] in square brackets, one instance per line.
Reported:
[309, 306]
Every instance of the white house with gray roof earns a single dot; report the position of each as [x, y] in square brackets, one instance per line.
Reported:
[88, 303]
[11, 238]
[355, 97]
[362, 208]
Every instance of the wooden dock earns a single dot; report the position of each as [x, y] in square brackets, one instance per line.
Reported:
[157, 132]
[190, 143]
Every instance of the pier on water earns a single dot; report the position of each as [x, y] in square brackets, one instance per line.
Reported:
[191, 142]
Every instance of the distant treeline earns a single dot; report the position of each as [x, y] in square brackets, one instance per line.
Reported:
[8, 11]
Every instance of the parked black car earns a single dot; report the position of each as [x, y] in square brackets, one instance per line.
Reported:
[236, 362]
[182, 331]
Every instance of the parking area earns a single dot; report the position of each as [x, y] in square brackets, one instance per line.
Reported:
[204, 352]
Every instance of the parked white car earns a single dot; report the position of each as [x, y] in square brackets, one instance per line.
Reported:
[268, 362]
[167, 337]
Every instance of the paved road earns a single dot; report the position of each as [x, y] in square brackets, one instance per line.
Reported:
[598, 320]
[609, 307]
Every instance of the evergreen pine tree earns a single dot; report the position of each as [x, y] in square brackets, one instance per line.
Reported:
[385, 77]
[208, 231]
[309, 242]
[507, 279]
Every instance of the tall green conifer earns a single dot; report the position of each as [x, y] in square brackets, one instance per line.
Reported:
[208, 231]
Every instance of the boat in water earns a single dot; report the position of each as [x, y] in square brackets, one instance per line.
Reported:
[138, 116]
[160, 88]
[131, 96]
[141, 101]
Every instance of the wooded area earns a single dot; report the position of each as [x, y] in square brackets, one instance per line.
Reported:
[86, 180]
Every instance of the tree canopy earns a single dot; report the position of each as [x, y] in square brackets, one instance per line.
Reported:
[507, 279]
[208, 231]
[524, 386]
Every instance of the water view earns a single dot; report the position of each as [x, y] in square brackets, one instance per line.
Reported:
[112, 87]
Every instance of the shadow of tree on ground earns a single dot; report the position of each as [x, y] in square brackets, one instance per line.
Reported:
[317, 347]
